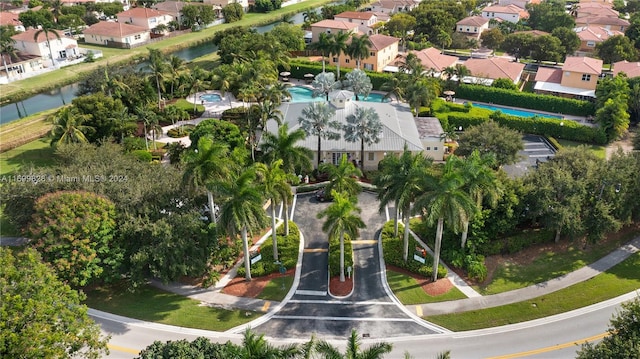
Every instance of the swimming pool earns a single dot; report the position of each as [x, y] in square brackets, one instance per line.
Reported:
[514, 112]
[304, 94]
[211, 97]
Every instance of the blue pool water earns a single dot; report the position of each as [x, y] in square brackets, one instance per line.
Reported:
[211, 97]
[513, 112]
[304, 94]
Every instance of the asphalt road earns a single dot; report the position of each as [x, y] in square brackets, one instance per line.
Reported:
[370, 310]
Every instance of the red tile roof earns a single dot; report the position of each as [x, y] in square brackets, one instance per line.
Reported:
[431, 58]
[585, 65]
[494, 68]
[631, 69]
[334, 24]
[142, 12]
[379, 42]
[546, 74]
[360, 15]
[595, 33]
[28, 36]
[8, 18]
[115, 29]
[473, 21]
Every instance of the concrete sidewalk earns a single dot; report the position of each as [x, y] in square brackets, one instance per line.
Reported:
[533, 291]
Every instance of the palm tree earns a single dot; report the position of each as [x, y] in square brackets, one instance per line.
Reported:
[342, 218]
[421, 92]
[242, 211]
[479, 180]
[412, 65]
[358, 82]
[143, 114]
[7, 49]
[401, 182]
[198, 83]
[152, 124]
[444, 39]
[363, 125]
[359, 48]
[323, 45]
[204, 166]
[283, 146]
[158, 69]
[324, 83]
[376, 351]
[269, 111]
[175, 65]
[394, 86]
[257, 347]
[337, 46]
[67, 127]
[276, 187]
[316, 120]
[47, 28]
[342, 178]
[444, 199]
[112, 85]
[56, 9]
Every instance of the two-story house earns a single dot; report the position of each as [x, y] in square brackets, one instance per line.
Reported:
[383, 51]
[145, 17]
[365, 20]
[393, 6]
[332, 27]
[631, 69]
[577, 78]
[434, 61]
[62, 47]
[511, 13]
[11, 19]
[590, 36]
[472, 26]
[601, 15]
[116, 34]
[485, 71]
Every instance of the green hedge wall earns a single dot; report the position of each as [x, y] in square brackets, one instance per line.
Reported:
[528, 100]
[299, 68]
[287, 253]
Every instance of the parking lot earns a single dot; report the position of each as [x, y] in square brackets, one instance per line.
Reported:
[536, 150]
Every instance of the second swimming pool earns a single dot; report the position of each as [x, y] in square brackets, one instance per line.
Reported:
[514, 112]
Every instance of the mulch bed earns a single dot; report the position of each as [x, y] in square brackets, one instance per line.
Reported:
[241, 288]
[338, 288]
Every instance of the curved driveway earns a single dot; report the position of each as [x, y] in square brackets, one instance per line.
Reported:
[369, 309]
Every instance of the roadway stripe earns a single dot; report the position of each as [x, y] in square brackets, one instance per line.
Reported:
[266, 306]
[338, 302]
[311, 292]
[364, 241]
[551, 348]
[419, 310]
[315, 250]
[304, 317]
[118, 348]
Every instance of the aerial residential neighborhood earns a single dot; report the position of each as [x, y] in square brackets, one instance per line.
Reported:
[318, 179]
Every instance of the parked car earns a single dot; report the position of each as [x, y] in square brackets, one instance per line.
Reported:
[321, 196]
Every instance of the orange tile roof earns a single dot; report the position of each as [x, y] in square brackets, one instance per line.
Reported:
[601, 20]
[595, 33]
[431, 58]
[379, 41]
[585, 65]
[631, 69]
[360, 15]
[142, 12]
[494, 68]
[115, 29]
[28, 36]
[334, 24]
[8, 18]
[546, 74]
[473, 21]
[508, 9]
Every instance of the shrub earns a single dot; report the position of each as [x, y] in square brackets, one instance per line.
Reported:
[554, 142]
[301, 67]
[133, 143]
[142, 155]
[180, 131]
[287, 253]
[334, 256]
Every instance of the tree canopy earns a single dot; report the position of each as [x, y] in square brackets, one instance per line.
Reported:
[489, 137]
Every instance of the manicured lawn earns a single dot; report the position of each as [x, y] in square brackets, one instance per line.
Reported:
[274, 289]
[154, 305]
[408, 290]
[596, 149]
[623, 278]
[548, 265]
[38, 153]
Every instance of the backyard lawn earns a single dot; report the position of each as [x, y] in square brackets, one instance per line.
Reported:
[37, 153]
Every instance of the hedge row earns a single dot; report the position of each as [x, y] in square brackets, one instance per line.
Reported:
[334, 256]
[516, 243]
[299, 68]
[287, 253]
[528, 100]
[567, 129]
[392, 250]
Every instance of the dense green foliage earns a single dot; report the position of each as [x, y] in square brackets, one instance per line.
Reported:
[41, 315]
[334, 255]
[300, 67]
[532, 101]
[287, 253]
[490, 138]
[219, 131]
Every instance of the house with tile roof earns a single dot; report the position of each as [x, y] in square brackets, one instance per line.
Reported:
[591, 36]
[145, 17]
[591, 9]
[116, 34]
[11, 19]
[223, 3]
[485, 71]
[399, 128]
[331, 27]
[19, 67]
[434, 61]
[519, 3]
[62, 47]
[364, 19]
[534, 33]
[393, 6]
[472, 26]
[511, 13]
[174, 8]
[607, 22]
[631, 69]
[577, 78]
[383, 51]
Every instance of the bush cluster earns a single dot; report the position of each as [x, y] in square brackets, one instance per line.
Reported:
[287, 253]
[299, 68]
[517, 242]
[392, 251]
[525, 99]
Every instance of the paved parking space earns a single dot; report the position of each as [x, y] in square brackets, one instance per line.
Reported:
[536, 150]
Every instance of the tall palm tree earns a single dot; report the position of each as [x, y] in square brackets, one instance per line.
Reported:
[342, 218]
[363, 125]
[359, 48]
[479, 181]
[198, 83]
[342, 178]
[337, 46]
[68, 128]
[376, 351]
[275, 186]
[175, 65]
[283, 146]
[358, 82]
[255, 346]
[412, 65]
[158, 68]
[56, 9]
[47, 28]
[242, 210]
[324, 83]
[269, 111]
[394, 86]
[323, 45]
[7, 48]
[316, 120]
[112, 85]
[444, 199]
[204, 166]
[444, 39]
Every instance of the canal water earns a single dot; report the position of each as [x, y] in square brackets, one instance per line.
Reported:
[65, 94]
